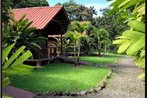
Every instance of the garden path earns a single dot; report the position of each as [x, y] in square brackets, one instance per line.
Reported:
[124, 82]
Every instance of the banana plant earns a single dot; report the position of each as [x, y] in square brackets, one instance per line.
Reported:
[13, 64]
[132, 41]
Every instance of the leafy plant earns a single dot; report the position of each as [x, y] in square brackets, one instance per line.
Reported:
[99, 38]
[27, 3]
[76, 31]
[132, 42]
[13, 64]
[76, 38]
[65, 44]
[5, 11]
[21, 33]
[77, 11]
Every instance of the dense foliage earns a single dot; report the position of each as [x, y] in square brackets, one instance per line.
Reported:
[5, 11]
[99, 39]
[75, 33]
[28, 3]
[77, 11]
[111, 24]
[132, 41]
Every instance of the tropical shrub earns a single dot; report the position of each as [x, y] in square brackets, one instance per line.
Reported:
[65, 44]
[110, 24]
[13, 64]
[20, 33]
[132, 41]
[99, 39]
[76, 31]
[75, 37]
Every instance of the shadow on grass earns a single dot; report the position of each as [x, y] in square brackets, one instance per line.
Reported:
[50, 84]
[113, 56]
[60, 68]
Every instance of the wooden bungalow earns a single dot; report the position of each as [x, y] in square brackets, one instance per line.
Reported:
[49, 21]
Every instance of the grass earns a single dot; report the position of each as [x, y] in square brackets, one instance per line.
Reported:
[107, 58]
[98, 59]
[59, 77]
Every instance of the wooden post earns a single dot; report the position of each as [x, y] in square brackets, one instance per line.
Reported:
[38, 63]
[39, 52]
[61, 46]
[50, 51]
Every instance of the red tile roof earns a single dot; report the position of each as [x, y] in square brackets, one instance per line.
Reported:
[40, 16]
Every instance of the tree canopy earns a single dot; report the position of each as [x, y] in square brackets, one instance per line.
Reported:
[28, 3]
[77, 11]
[110, 23]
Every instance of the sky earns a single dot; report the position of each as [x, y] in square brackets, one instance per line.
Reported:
[98, 4]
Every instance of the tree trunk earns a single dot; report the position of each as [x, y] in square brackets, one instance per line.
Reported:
[75, 55]
[105, 49]
[61, 48]
[99, 49]
[78, 56]
[99, 46]
[75, 51]
[99, 53]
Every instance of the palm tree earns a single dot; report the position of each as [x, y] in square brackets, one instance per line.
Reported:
[81, 27]
[100, 37]
[75, 38]
[76, 32]
[65, 44]
[105, 43]
[104, 38]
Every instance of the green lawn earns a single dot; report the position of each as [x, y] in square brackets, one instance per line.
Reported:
[60, 77]
[98, 59]
[108, 58]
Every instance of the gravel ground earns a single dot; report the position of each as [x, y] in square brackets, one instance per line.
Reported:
[123, 82]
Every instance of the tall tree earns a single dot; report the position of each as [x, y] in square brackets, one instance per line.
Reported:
[99, 38]
[109, 23]
[76, 39]
[76, 32]
[78, 12]
[28, 3]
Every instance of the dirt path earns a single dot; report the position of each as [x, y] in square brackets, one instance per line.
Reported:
[18, 93]
[123, 82]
